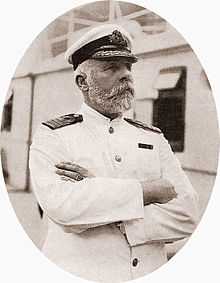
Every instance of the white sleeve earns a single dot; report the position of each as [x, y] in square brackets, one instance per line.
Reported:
[92, 201]
[174, 220]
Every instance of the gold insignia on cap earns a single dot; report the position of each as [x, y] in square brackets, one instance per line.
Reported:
[117, 38]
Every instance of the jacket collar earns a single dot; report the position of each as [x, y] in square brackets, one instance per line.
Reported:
[91, 114]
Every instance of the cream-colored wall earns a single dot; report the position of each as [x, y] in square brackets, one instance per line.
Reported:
[161, 41]
[15, 142]
[32, 57]
[201, 126]
[54, 94]
[203, 184]
[16, 154]
[144, 110]
[25, 207]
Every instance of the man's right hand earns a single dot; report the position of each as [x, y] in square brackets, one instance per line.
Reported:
[158, 191]
[70, 171]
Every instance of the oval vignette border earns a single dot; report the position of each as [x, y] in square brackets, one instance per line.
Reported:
[214, 193]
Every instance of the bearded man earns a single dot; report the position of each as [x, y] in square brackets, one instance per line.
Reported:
[111, 188]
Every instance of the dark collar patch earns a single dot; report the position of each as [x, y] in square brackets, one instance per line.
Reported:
[63, 121]
[144, 126]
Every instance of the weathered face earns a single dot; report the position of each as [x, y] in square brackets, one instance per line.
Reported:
[110, 87]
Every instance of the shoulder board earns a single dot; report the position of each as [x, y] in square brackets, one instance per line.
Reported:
[144, 126]
[63, 121]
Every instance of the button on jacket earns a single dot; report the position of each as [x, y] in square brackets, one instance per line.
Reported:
[99, 228]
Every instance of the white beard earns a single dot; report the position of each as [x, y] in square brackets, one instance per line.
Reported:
[116, 101]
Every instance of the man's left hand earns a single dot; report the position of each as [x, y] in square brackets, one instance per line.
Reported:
[72, 172]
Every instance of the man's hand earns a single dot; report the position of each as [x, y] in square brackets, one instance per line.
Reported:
[72, 172]
[158, 191]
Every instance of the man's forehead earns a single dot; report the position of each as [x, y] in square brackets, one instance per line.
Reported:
[111, 62]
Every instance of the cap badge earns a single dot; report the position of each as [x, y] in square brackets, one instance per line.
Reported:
[117, 38]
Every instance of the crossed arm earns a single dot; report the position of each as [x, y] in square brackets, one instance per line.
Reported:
[157, 191]
[150, 211]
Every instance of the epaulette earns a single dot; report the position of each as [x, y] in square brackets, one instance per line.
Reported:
[144, 126]
[63, 121]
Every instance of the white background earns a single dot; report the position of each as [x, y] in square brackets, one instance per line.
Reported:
[20, 22]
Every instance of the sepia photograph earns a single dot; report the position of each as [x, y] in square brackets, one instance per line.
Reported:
[109, 141]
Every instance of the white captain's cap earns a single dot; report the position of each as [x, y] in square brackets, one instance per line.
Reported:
[106, 42]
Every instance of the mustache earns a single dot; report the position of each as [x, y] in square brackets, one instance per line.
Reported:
[121, 89]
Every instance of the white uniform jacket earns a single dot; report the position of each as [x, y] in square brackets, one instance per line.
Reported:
[83, 236]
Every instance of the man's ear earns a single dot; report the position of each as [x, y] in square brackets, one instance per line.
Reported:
[82, 83]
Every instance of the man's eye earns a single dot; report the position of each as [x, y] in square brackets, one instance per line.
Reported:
[111, 67]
